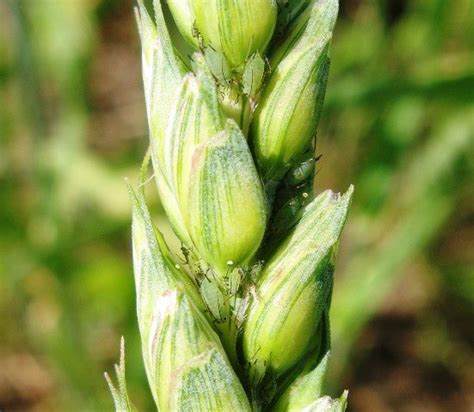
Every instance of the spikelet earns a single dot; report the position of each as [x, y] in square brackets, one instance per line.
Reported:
[242, 323]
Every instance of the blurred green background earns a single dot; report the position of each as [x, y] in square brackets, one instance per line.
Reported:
[398, 123]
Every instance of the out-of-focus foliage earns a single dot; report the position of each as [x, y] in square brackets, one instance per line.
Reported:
[398, 123]
[66, 286]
